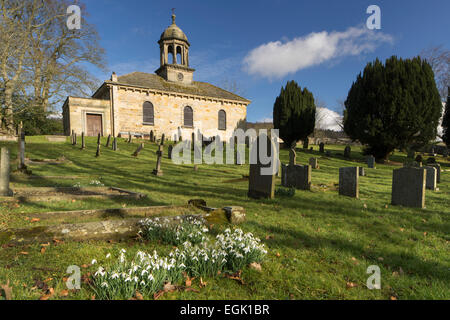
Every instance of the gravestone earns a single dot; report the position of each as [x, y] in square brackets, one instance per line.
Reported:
[408, 187]
[313, 162]
[152, 136]
[347, 152]
[438, 171]
[114, 144]
[193, 141]
[349, 182]
[158, 172]
[431, 160]
[362, 172]
[371, 162]
[292, 157]
[138, 150]
[21, 154]
[169, 152]
[180, 139]
[5, 191]
[130, 137]
[431, 179]
[163, 137]
[283, 174]
[262, 185]
[328, 153]
[322, 147]
[108, 141]
[71, 137]
[411, 154]
[75, 139]
[298, 177]
[83, 142]
[419, 159]
[97, 154]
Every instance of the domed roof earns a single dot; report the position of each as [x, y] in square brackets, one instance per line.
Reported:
[173, 32]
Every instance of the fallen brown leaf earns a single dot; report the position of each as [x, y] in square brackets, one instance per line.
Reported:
[43, 250]
[138, 296]
[168, 287]
[24, 253]
[202, 283]
[351, 285]
[64, 293]
[7, 290]
[35, 220]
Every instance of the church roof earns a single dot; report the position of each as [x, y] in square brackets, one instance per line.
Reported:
[153, 81]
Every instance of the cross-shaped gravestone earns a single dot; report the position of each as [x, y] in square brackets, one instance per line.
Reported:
[158, 172]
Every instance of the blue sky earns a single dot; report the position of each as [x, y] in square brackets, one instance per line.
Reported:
[260, 45]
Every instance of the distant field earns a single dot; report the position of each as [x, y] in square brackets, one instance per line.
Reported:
[319, 244]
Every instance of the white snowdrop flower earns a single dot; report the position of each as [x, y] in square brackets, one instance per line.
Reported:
[150, 277]
[136, 279]
[128, 279]
[108, 256]
[182, 265]
[142, 283]
[94, 261]
[114, 275]
[104, 285]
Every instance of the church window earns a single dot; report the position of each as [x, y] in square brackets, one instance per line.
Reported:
[188, 117]
[222, 120]
[148, 113]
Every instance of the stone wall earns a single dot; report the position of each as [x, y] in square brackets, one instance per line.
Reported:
[168, 114]
[75, 110]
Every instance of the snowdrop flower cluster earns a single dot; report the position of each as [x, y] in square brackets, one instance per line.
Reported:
[147, 273]
[190, 229]
[241, 248]
[96, 183]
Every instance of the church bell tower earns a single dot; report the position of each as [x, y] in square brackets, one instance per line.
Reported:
[174, 55]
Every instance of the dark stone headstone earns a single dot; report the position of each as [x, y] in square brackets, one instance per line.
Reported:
[438, 171]
[158, 172]
[292, 157]
[371, 162]
[114, 144]
[347, 152]
[298, 177]
[362, 172]
[99, 138]
[169, 152]
[163, 137]
[152, 136]
[97, 154]
[83, 142]
[261, 185]
[108, 141]
[408, 187]
[138, 150]
[349, 182]
[322, 147]
[431, 179]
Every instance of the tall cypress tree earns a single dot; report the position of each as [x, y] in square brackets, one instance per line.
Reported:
[446, 121]
[393, 105]
[294, 113]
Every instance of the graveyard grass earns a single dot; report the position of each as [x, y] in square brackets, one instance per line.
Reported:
[319, 244]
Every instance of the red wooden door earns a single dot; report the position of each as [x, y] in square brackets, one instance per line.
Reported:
[94, 124]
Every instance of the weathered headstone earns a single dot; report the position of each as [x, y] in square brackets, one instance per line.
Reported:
[419, 159]
[438, 171]
[362, 172]
[261, 184]
[114, 144]
[158, 172]
[138, 150]
[408, 187]
[371, 162]
[83, 142]
[74, 138]
[283, 174]
[130, 137]
[298, 177]
[71, 137]
[347, 152]
[411, 154]
[152, 136]
[163, 137]
[108, 141]
[322, 147]
[328, 153]
[169, 152]
[292, 157]
[193, 141]
[313, 162]
[349, 182]
[431, 179]
[99, 137]
[97, 154]
[5, 191]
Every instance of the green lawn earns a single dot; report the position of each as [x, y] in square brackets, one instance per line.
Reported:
[319, 243]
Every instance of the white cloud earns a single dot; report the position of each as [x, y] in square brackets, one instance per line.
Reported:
[327, 119]
[279, 58]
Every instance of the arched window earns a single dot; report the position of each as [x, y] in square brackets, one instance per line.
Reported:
[222, 120]
[188, 117]
[179, 56]
[148, 113]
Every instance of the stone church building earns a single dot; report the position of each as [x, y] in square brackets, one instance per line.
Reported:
[168, 102]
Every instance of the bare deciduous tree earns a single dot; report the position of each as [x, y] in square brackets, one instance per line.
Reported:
[439, 59]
